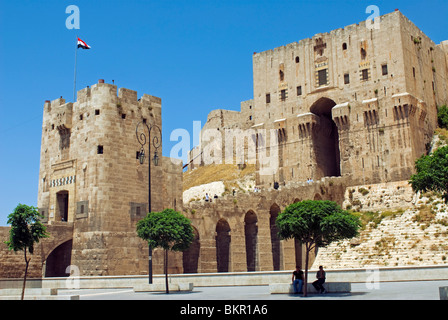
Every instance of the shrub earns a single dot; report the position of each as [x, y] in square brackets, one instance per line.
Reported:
[442, 117]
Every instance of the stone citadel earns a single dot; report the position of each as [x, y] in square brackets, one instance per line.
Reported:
[354, 106]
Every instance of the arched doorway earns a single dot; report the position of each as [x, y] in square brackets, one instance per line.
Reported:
[58, 260]
[326, 140]
[251, 235]
[190, 257]
[223, 245]
[275, 241]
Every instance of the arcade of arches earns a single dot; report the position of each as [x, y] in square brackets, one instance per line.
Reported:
[253, 245]
[239, 234]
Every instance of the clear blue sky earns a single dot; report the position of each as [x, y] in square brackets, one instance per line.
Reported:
[195, 55]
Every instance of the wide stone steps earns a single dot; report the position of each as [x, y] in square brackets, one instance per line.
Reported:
[398, 241]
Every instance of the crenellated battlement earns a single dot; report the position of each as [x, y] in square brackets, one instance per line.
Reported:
[100, 98]
[49, 105]
[392, 18]
[110, 93]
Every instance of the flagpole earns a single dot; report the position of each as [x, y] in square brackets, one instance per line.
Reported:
[74, 81]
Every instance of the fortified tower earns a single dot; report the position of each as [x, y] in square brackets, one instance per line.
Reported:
[91, 179]
[355, 101]
[358, 102]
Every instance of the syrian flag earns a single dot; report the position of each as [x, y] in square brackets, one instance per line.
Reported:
[82, 44]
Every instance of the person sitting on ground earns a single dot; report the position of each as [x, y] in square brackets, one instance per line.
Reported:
[297, 280]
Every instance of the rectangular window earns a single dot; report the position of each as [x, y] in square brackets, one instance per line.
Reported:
[82, 209]
[299, 90]
[268, 98]
[384, 69]
[365, 74]
[283, 95]
[322, 77]
[100, 150]
[137, 210]
[346, 78]
[97, 112]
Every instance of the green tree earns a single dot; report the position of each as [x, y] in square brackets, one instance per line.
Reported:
[432, 173]
[442, 117]
[168, 230]
[316, 223]
[26, 230]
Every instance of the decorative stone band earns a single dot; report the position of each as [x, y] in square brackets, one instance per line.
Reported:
[62, 181]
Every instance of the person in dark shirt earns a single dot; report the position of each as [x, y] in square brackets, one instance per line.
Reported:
[297, 280]
[318, 284]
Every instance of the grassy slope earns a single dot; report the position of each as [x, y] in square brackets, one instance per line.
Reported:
[228, 173]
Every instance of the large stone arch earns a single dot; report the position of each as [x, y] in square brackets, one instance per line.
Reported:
[190, 257]
[251, 237]
[277, 257]
[59, 259]
[57, 249]
[223, 239]
[325, 139]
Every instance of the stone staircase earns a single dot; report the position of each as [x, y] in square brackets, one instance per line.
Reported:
[415, 236]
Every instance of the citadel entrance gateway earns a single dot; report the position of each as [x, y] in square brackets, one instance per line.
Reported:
[325, 139]
[387, 140]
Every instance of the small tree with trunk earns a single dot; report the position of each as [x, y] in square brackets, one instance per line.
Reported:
[168, 230]
[26, 230]
[316, 223]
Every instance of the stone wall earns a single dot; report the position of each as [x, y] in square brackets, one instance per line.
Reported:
[382, 196]
[238, 233]
[12, 264]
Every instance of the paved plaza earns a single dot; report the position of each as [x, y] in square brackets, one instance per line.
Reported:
[406, 290]
[246, 302]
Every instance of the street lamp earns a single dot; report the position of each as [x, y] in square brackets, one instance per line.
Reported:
[156, 142]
